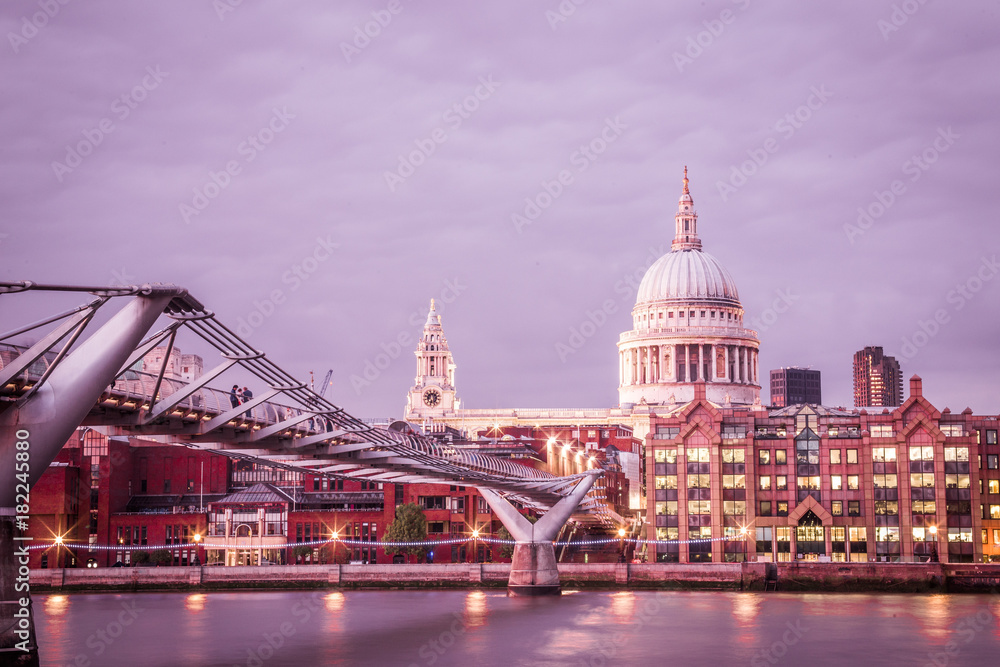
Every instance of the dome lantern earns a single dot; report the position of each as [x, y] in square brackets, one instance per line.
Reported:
[686, 221]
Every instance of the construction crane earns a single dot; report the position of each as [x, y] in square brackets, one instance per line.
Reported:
[326, 382]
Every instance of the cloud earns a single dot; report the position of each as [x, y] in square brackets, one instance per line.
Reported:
[325, 175]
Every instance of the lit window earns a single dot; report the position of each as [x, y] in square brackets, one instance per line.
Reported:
[886, 533]
[884, 481]
[782, 508]
[780, 457]
[734, 507]
[834, 456]
[698, 481]
[666, 481]
[733, 455]
[852, 456]
[960, 534]
[960, 454]
[852, 482]
[765, 482]
[836, 482]
[994, 485]
[781, 482]
[764, 457]
[837, 508]
[697, 454]
[734, 481]
[887, 507]
[884, 454]
[668, 508]
[699, 507]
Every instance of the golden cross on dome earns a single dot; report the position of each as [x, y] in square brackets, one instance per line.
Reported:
[686, 191]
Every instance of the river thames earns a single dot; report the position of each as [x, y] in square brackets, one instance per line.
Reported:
[478, 627]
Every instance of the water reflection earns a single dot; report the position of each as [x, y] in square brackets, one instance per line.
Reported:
[934, 617]
[475, 609]
[334, 601]
[745, 609]
[195, 602]
[592, 627]
[56, 605]
[623, 606]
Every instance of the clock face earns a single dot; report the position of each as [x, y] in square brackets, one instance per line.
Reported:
[432, 398]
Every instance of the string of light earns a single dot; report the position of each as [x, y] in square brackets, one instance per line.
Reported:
[370, 543]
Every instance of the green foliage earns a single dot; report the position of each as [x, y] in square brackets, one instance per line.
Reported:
[140, 557]
[301, 551]
[161, 557]
[410, 526]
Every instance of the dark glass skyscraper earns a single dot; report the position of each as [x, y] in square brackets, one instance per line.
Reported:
[793, 385]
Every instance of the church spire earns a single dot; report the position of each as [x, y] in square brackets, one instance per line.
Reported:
[432, 316]
[686, 221]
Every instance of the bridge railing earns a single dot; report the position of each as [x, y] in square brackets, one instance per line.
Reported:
[134, 390]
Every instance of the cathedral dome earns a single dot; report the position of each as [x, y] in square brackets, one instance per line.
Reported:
[687, 275]
[687, 328]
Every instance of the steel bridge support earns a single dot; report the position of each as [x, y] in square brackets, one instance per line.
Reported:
[37, 426]
[533, 568]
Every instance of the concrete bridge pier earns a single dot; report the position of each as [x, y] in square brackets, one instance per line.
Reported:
[534, 570]
[33, 430]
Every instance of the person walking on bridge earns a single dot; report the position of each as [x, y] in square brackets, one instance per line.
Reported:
[247, 395]
[234, 397]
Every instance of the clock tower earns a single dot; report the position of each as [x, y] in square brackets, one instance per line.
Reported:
[433, 392]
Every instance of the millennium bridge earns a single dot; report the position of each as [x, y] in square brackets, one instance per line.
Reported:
[66, 380]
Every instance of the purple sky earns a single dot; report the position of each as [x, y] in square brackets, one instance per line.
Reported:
[163, 95]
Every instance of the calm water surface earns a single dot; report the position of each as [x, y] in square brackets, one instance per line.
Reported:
[476, 628]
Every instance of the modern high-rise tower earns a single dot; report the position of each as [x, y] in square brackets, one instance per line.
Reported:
[878, 380]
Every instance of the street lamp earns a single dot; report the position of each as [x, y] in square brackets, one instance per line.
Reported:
[743, 534]
[197, 541]
[934, 553]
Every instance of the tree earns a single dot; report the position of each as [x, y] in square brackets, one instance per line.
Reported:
[410, 526]
[161, 557]
[140, 557]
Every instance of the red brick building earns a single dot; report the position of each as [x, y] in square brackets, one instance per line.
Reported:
[815, 483]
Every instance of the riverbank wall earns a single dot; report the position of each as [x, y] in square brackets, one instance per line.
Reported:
[882, 577]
